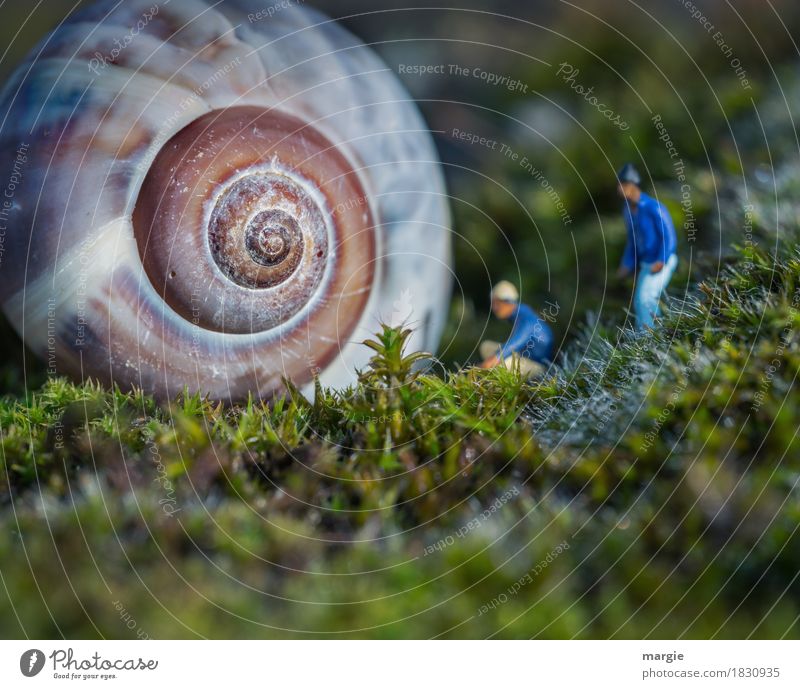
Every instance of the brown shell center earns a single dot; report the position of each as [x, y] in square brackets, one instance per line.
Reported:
[250, 219]
[269, 243]
[259, 249]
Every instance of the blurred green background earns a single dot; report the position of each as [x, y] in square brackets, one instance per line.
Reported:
[641, 59]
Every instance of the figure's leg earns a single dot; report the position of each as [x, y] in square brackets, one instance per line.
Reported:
[488, 348]
[666, 274]
[528, 368]
[648, 292]
[643, 304]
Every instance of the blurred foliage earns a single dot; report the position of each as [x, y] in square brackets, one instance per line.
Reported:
[641, 62]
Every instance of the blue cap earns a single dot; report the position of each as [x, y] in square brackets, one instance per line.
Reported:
[629, 173]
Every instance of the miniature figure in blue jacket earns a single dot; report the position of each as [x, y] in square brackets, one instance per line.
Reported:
[650, 251]
[530, 345]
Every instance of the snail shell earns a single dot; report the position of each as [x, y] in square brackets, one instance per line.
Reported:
[210, 196]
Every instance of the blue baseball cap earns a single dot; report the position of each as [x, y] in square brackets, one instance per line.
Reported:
[629, 173]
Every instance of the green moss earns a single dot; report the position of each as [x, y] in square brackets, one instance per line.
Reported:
[416, 505]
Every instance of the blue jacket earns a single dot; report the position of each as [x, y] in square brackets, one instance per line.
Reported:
[530, 337]
[651, 234]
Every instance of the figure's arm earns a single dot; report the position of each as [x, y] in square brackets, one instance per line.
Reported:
[520, 336]
[661, 238]
[628, 263]
[541, 347]
[652, 238]
[650, 234]
[667, 239]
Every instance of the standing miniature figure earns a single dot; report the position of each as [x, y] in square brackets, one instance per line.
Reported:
[530, 345]
[651, 246]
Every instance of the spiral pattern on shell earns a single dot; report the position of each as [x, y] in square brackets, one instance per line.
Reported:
[218, 202]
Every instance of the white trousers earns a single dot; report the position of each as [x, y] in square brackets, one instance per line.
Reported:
[527, 367]
[649, 287]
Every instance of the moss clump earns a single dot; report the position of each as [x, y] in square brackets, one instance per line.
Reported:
[663, 467]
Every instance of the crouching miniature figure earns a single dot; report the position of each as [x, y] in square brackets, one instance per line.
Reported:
[530, 346]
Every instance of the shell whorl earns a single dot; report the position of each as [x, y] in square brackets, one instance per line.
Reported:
[283, 224]
[223, 203]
